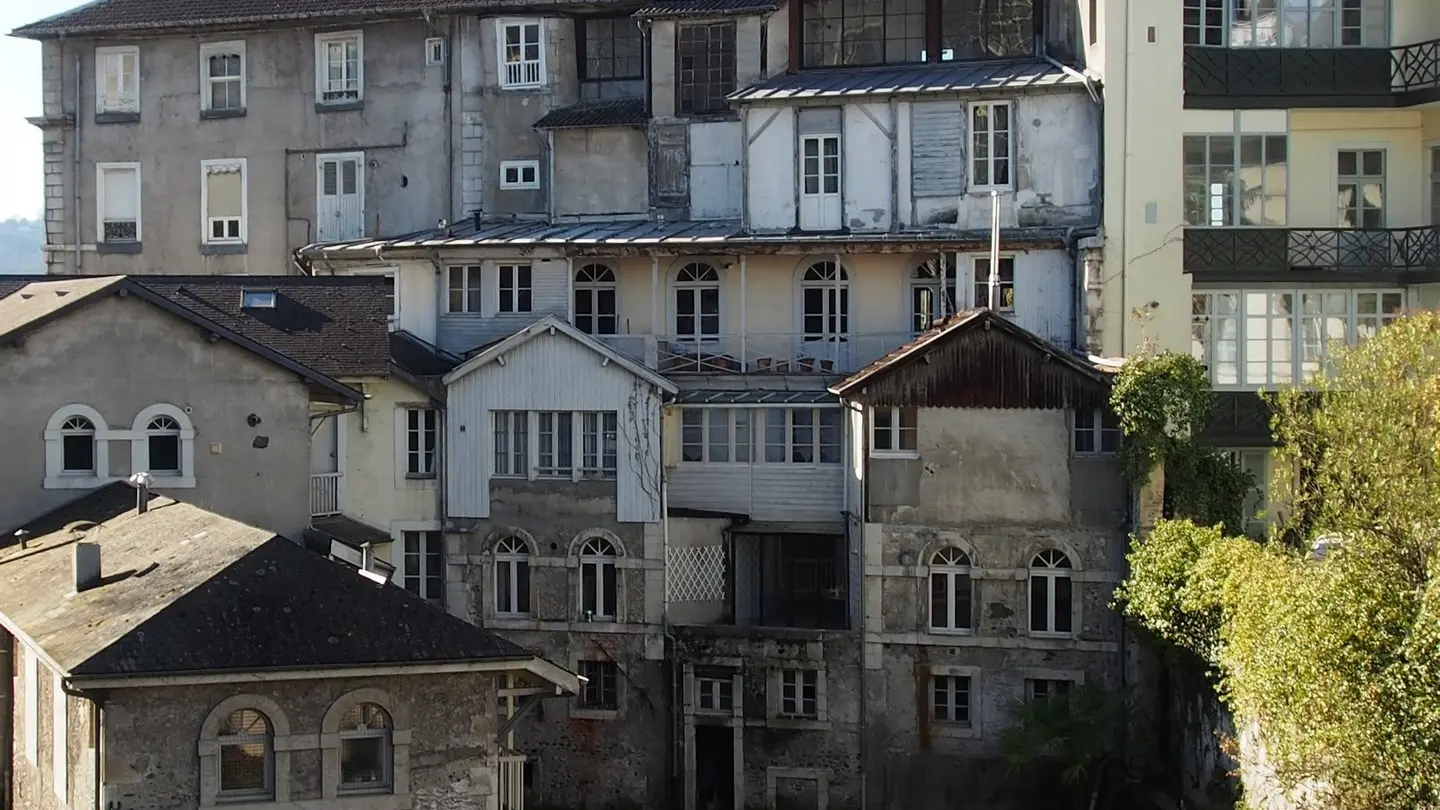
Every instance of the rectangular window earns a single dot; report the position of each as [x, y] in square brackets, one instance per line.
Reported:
[556, 447]
[716, 435]
[421, 434]
[517, 175]
[820, 207]
[512, 443]
[1256, 461]
[837, 33]
[1361, 196]
[950, 699]
[434, 51]
[340, 203]
[893, 431]
[224, 201]
[522, 54]
[514, 288]
[119, 196]
[340, 67]
[1236, 179]
[705, 56]
[601, 691]
[599, 443]
[714, 695]
[424, 564]
[1044, 688]
[802, 435]
[1299, 24]
[464, 289]
[612, 48]
[1097, 432]
[800, 693]
[117, 80]
[1257, 338]
[1004, 300]
[991, 145]
[986, 29]
[258, 299]
[222, 76]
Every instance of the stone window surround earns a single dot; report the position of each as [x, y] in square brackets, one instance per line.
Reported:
[971, 730]
[576, 622]
[821, 777]
[282, 743]
[1076, 594]
[972, 570]
[577, 712]
[138, 437]
[398, 794]
[621, 561]
[821, 721]
[737, 694]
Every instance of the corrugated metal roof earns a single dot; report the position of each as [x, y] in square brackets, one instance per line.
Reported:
[711, 396]
[705, 8]
[948, 77]
[615, 112]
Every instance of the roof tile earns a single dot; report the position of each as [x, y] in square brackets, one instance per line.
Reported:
[619, 112]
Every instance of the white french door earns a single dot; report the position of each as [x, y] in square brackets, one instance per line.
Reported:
[820, 208]
[340, 197]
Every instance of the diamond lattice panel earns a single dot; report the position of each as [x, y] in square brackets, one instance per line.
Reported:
[695, 574]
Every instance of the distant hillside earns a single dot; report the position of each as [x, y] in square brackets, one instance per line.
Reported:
[21, 246]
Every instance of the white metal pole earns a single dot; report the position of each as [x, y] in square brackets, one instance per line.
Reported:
[994, 246]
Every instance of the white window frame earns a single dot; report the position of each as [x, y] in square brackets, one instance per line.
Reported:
[387, 734]
[972, 152]
[694, 285]
[184, 478]
[1255, 520]
[472, 281]
[1207, 325]
[822, 210]
[56, 476]
[983, 301]
[590, 280]
[515, 426]
[434, 51]
[950, 685]
[103, 57]
[514, 288]
[895, 433]
[596, 554]
[207, 82]
[790, 700]
[714, 695]
[951, 569]
[502, 73]
[1049, 574]
[732, 421]
[414, 447]
[1252, 33]
[417, 568]
[790, 444]
[322, 67]
[559, 426]
[599, 444]
[519, 167]
[100, 171]
[207, 222]
[1224, 185]
[32, 705]
[513, 562]
[1097, 429]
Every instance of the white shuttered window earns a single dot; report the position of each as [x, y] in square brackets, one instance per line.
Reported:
[118, 189]
[223, 201]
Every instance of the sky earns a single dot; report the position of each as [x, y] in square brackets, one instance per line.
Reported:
[22, 189]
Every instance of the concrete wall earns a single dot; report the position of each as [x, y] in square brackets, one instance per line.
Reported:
[404, 103]
[377, 490]
[601, 171]
[152, 734]
[121, 355]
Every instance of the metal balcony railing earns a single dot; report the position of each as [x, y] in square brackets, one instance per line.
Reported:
[774, 353]
[325, 494]
[1218, 77]
[1255, 252]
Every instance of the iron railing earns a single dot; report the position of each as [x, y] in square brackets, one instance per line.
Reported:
[325, 494]
[1403, 75]
[1260, 251]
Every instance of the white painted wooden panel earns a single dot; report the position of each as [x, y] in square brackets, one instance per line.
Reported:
[550, 295]
[762, 491]
[937, 148]
[866, 177]
[772, 168]
[715, 172]
[1044, 302]
[467, 439]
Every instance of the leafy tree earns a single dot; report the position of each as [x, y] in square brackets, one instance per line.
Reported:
[1335, 657]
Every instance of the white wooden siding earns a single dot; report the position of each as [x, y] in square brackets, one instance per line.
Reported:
[715, 187]
[790, 492]
[865, 178]
[937, 157]
[552, 373]
[462, 331]
[772, 168]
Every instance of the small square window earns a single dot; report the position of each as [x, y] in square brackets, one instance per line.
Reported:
[800, 693]
[257, 299]
[434, 51]
[714, 695]
[601, 690]
[520, 174]
[1097, 432]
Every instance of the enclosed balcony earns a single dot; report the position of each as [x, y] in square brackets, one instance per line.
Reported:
[1401, 255]
[765, 353]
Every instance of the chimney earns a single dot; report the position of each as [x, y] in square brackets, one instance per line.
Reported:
[475, 218]
[141, 482]
[87, 566]
[23, 536]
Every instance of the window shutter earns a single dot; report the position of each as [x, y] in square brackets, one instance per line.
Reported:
[937, 150]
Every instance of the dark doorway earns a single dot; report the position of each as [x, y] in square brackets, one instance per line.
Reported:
[714, 768]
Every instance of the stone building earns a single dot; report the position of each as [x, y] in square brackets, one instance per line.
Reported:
[166, 657]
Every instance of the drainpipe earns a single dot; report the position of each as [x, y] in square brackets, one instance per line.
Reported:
[75, 175]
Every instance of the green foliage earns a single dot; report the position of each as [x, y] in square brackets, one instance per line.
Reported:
[1336, 659]
[1071, 732]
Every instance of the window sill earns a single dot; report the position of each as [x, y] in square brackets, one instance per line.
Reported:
[409, 476]
[158, 481]
[954, 732]
[117, 247]
[798, 723]
[223, 248]
[1093, 455]
[978, 190]
[1045, 634]
[504, 187]
[351, 801]
[117, 118]
[577, 713]
[949, 631]
[709, 115]
[339, 106]
[900, 454]
[72, 481]
[212, 115]
[525, 88]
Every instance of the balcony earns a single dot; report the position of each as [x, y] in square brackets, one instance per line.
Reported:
[1261, 78]
[1395, 255]
[325, 494]
[762, 353]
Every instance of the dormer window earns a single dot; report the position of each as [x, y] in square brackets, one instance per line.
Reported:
[257, 299]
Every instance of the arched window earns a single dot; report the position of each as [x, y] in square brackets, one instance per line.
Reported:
[512, 576]
[77, 446]
[595, 300]
[825, 302]
[597, 579]
[697, 302]
[1051, 595]
[930, 286]
[163, 440]
[950, 590]
[247, 755]
[366, 757]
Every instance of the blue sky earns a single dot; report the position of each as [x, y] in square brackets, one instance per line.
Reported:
[20, 164]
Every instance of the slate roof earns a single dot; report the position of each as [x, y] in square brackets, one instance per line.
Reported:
[918, 80]
[615, 112]
[666, 9]
[419, 358]
[185, 590]
[330, 327]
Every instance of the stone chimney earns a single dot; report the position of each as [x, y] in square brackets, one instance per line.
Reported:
[87, 566]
